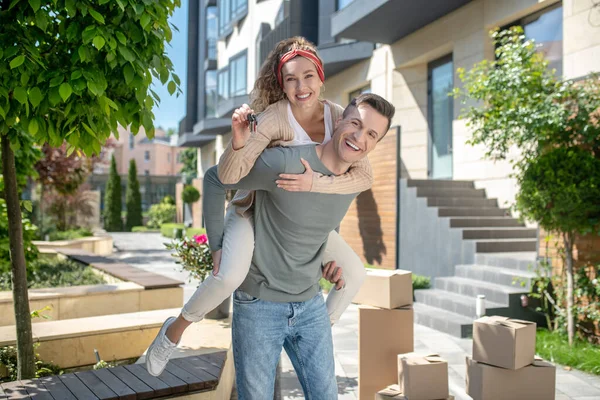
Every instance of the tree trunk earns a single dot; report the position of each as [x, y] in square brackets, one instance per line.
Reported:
[568, 242]
[25, 355]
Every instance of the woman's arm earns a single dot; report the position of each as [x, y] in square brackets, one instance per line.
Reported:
[358, 179]
[245, 146]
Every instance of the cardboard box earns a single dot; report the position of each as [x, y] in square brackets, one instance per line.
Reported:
[393, 392]
[423, 376]
[504, 342]
[386, 289]
[382, 335]
[533, 382]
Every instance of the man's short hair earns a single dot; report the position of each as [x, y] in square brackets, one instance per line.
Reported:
[381, 105]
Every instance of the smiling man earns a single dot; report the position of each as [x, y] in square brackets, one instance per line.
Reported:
[279, 304]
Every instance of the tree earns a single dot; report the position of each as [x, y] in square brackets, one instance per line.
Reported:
[133, 198]
[112, 200]
[189, 159]
[170, 132]
[189, 195]
[522, 104]
[73, 71]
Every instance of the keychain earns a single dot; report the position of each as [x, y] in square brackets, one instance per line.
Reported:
[253, 122]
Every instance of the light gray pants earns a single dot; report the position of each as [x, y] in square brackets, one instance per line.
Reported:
[238, 246]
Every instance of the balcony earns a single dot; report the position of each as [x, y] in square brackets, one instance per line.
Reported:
[225, 107]
[340, 56]
[387, 21]
[268, 42]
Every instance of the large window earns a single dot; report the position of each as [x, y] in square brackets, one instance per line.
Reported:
[237, 74]
[131, 141]
[211, 96]
[147, 155]
[343, 3]
[546, 28]
[440, 82]
[211, 32]
[230, 11]
[223, 84]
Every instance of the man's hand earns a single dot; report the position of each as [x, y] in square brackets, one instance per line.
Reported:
[333, 274]
[240, 126]
[216, 256]
[297, 182]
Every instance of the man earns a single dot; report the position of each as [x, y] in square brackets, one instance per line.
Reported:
[279, 304]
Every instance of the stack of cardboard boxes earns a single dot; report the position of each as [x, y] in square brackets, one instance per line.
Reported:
[385, 328]
[504, 364]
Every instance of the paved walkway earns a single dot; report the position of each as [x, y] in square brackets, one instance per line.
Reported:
[146, 250]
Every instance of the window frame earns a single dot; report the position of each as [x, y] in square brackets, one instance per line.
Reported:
[214, 38]
[357, 92]
[236, 10]
[207, 94]
[146, 155]
[224, 70]
[234, 58]
[337, 5]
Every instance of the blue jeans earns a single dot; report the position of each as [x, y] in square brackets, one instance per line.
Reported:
[262, 328]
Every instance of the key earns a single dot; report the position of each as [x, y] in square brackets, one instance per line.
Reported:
[252, 121]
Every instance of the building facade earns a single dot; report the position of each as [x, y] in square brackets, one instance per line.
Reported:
[409, 53]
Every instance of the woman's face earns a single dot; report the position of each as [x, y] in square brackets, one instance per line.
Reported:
[301, 83]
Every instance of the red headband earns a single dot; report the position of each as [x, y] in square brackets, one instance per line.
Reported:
[303, 53]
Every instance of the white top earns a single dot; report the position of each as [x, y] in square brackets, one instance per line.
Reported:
[300, 135]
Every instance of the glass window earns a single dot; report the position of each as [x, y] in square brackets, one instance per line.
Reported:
[358, 92]
[546, 28]
[223, 84]
[168, 157]
[146, 172]
[146, 155]
[441, 114]
[224, 15]
[211, 32]
[343, 3]
[237, 68]
[238, 8]
[282, 12]
[131, 140]
[211, 96]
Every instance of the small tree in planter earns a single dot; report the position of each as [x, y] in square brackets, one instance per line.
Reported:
[189, 195]
[133, 198]
[523, 105]
[112, 200]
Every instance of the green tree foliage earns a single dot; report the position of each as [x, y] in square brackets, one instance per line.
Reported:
[112, 200]
[549, 129]
[190, 194]
[133, 198]
[189, 159]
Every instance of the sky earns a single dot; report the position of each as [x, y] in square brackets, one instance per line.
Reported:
[172, 109]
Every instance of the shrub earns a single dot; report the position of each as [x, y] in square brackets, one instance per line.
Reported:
[190, 194]
[167, 230]
[8, 358]
[160, 214]
[133, 198]
[168, 199]
[143, 229]
[421, 282]
[112, 200]
[191, 232]
[44, 273]
[70, 234]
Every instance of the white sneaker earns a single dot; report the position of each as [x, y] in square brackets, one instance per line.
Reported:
[160, 350]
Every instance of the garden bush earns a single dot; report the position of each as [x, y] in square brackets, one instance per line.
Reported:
[45, 273]
[167, 230]
[191, 232]
[70, 234]
[160, 214]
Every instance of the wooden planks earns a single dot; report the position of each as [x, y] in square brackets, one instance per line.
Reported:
[369, 227]
[130, 382]
[126, 272]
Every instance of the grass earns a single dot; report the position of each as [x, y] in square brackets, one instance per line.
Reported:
[554, 347]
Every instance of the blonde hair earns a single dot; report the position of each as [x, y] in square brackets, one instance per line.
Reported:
[266, 89]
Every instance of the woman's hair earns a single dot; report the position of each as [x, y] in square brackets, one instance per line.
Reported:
[266, 88]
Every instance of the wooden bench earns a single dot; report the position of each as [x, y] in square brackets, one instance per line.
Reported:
[182, 377]
[122, 271]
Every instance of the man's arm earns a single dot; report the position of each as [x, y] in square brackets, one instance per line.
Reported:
[262, 176]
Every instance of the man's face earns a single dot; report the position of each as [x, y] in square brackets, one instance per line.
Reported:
[358, 133]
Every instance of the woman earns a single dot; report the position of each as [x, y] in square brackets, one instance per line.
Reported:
[286, 95]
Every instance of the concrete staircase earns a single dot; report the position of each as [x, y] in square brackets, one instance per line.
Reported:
[505, 252]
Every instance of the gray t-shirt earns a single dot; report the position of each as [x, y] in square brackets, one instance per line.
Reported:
[291, 228]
